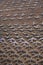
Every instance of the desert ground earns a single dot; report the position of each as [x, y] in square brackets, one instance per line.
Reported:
[21, 32]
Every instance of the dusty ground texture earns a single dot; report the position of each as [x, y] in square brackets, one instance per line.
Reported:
[21, 32]
[21, 11]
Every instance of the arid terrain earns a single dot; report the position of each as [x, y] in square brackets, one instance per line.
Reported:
[21, 32]
[21, 11]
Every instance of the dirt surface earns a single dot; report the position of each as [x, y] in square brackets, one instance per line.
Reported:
[21, 11]
[21, 32]
[21, 44]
